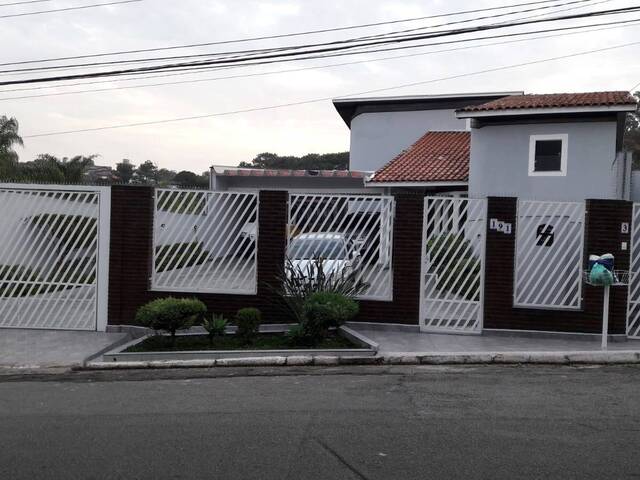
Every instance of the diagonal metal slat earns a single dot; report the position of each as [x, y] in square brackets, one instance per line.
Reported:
[548, 267]
[355, 233]
[452, 275]
[203, 242]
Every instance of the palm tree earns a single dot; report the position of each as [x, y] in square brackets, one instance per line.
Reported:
[8, 139]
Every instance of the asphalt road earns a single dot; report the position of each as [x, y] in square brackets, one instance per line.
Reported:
[363, 423]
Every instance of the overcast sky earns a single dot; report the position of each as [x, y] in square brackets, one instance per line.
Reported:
[316, 127]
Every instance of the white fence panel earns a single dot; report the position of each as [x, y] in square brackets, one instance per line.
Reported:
[549, 254]
[205, 241]
[352, 233]
[633, 308]
[49, 263]
[452, 278]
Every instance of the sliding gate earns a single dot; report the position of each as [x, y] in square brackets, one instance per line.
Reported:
[50, 266]
[452, 275]
[633, 308]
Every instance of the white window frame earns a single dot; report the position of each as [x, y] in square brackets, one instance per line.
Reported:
[564, 137]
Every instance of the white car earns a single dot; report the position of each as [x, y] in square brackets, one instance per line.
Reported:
[338, 252]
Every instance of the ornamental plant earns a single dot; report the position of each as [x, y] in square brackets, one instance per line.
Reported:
[248, 321]
[215, 325]
[171, 314]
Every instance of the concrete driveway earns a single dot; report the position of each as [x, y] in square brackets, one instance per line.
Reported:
[50, 348]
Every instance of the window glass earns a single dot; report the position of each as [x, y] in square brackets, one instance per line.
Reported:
[308, 248]
[548, 156]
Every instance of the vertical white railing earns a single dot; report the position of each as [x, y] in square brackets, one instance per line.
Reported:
[53, 256]
[205, 241]
[549, 254]
[633, 306]
[352, 233]
[452, 278]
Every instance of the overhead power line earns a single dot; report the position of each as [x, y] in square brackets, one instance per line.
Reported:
[271, 37]
[67, 9]
[23, 2]
[279, 57]
[324, 99]
[378, 37]
[314, 67]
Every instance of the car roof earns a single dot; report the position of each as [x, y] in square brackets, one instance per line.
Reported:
[322, 235]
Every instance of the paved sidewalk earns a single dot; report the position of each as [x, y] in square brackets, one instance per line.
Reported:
[416, 342]
[47, 348]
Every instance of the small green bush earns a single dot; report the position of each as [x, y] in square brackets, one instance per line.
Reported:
[215, 325]
[248, 322]
[323, 310]
[171, 314]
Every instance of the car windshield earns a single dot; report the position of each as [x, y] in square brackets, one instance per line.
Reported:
[308, 248]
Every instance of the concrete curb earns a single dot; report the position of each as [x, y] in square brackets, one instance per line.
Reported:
[395, 358]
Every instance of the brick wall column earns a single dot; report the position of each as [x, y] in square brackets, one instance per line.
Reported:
[406, 258]
[130, 250]
[602, 235]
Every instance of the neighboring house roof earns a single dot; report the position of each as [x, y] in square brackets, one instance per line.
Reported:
[435, 157]
[555, 102]
[348, 108]
[258, 172]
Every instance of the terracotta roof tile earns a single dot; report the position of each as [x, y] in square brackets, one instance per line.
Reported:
[435, 157]
[556, 100]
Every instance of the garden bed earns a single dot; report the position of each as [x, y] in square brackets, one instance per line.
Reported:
[263, 341]
[270, 342]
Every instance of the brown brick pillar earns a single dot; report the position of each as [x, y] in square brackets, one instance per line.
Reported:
[406, 258]
[602, 235]
[130, 251]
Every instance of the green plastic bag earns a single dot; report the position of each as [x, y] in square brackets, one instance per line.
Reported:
[600, 275]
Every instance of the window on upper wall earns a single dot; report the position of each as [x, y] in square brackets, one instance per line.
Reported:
[548, 155]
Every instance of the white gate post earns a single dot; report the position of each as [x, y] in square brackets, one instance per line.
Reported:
[102, 278]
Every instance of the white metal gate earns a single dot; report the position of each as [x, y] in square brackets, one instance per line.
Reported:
[633, 307]
[452, 278]
[353, 233]
[50, 267]
[549, 254]
[205, 241]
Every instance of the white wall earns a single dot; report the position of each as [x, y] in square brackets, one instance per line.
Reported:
[500, 160]
[377, 137]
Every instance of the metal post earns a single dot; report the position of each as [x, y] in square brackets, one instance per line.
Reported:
[605, 317]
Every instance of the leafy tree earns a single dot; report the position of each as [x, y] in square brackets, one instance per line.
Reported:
[9, 137]
[147, 172]
[311, 161]
[165, 176]
[73, 169]
[187, 179]
[632, 136]
[125, 170]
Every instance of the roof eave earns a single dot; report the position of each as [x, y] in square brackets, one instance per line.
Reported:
[546, 111]
[453, 183]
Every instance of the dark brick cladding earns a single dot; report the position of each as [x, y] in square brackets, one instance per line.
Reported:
[602, 235]
[131, 250]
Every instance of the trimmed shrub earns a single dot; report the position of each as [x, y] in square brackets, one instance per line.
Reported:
[248, 322]
[19, 281]
[323, 310]
[171, 314]
[215, 325]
